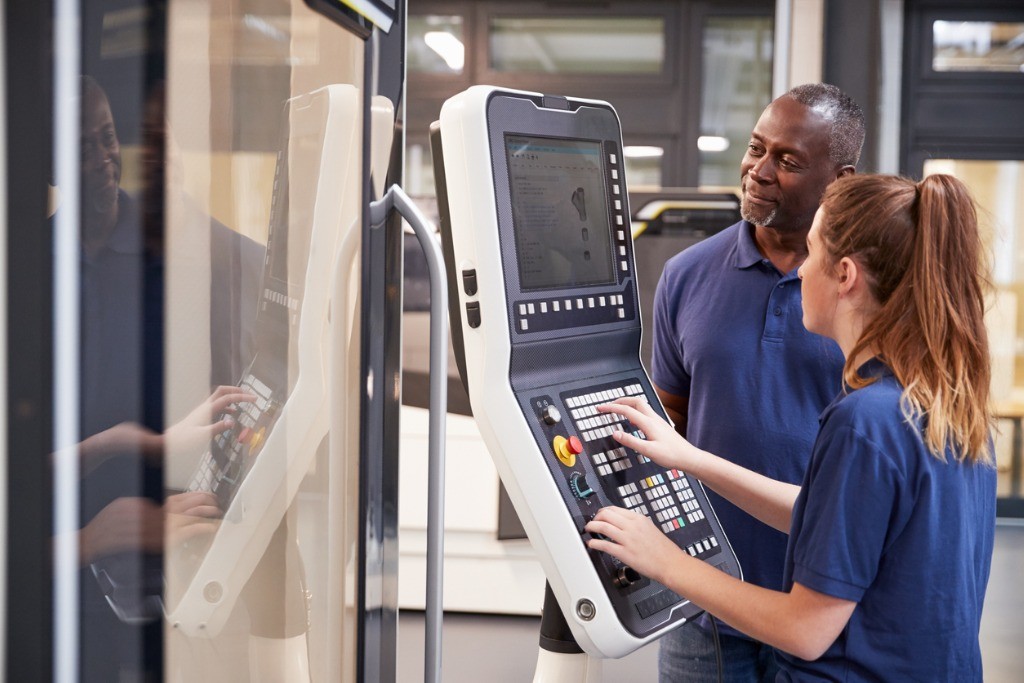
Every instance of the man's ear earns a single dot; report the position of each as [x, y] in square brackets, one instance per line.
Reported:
[845, 171]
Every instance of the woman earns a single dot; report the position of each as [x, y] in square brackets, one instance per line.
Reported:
[891, 532]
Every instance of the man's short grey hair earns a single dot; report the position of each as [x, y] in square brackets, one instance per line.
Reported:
[848, 127]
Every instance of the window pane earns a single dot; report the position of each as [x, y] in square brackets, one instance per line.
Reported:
[998, 187]
[978, 46]
[419, 170]
[736, 88]
[643, 166]
[436, 44]
[598, 45]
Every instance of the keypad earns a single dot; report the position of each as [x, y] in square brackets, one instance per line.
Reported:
[665, 496]
[224, 465]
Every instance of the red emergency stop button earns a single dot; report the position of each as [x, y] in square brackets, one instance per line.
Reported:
[567, 449]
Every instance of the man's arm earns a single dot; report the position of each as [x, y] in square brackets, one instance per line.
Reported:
[676, 407]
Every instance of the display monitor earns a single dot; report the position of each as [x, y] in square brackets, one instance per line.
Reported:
[559, 212]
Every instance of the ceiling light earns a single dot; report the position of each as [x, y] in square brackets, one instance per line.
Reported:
[641, 151]
[450, 48]
[712, 143]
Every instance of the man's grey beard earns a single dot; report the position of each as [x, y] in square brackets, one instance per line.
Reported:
[754, 219]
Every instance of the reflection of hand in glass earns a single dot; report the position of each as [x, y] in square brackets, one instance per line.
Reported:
[133, 524]
[207, 420]
[129, 524]
[123, 438]
[191, 514]
[190, 434]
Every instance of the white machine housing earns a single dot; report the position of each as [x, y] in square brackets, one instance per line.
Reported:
[599, 598]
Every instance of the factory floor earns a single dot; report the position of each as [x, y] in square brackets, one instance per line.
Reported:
[503, 649]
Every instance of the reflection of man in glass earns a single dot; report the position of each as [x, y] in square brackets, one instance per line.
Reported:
[122, 327]
[126, 517]
[101, 168]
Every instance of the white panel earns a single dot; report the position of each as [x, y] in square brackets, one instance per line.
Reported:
[806, 42]
[471, 482]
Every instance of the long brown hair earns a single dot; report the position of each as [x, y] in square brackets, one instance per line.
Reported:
[921, 249]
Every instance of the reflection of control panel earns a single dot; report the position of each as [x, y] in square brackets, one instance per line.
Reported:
[256, 467]
[233, 452]
[546, 327]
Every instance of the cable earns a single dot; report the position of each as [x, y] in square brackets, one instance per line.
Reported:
[718, 647]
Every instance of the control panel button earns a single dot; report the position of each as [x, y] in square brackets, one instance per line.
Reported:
[567, 449]
[469, 282]
[256, 442]
[626, 576]
[551, 415]
[473, 314]
[580, 487]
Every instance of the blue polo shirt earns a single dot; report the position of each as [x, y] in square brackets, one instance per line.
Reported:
[882, 522]
[729, 334]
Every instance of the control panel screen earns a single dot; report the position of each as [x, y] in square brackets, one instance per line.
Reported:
[559, 212]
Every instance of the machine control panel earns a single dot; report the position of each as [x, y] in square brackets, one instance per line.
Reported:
[593, 471]
[546, 328]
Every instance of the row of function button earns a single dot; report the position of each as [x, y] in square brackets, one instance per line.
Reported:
[607, 396]
[579, 304]
[614, 460]
[702, 546]
[620, 233]
[557, 304]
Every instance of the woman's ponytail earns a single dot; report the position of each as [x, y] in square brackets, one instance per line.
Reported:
[920, 246]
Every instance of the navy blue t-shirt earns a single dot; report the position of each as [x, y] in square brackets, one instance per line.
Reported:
[882, 522]
[729, 334]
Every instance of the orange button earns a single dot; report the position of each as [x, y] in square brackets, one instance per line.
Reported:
[574, 445]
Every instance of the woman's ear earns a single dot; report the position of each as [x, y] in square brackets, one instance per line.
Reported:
[849, 276]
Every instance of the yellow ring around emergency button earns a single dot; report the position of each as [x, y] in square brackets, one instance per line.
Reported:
[565, 456]
[257, 440]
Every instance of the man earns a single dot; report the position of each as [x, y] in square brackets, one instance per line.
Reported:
[732, 363]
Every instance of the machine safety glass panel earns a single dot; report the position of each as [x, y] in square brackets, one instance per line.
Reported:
[221, 192]
[578, 45]
[436, 44]
[973, 46]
